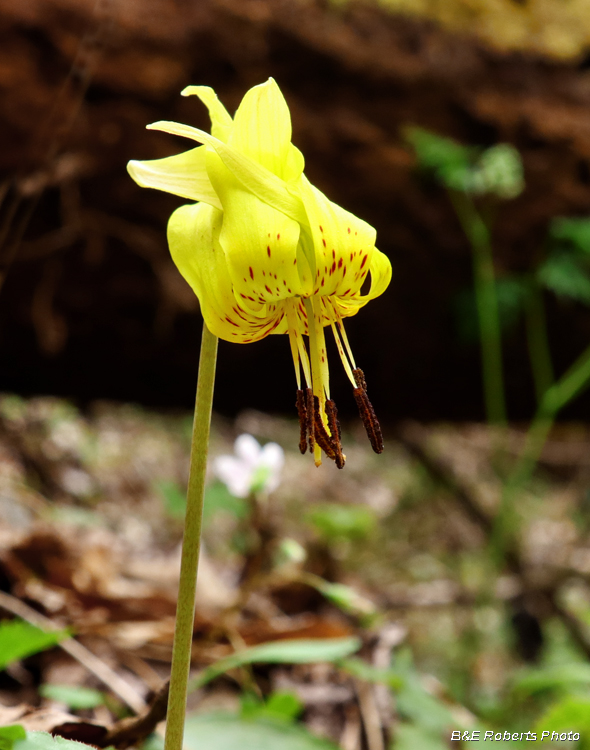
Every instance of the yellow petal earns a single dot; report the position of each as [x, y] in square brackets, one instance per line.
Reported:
[343, 244]
[260, 244]
[253, 176]
[221, 121]
[193, 237]
[184, 174]
[380, 270]
[262, 131]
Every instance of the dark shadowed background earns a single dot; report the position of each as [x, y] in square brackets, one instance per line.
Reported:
[91, 305]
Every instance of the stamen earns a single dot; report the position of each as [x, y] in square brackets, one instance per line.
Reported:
[343, 356]
[295, 355]
[317, 349]
[367, 413]
[302, 412]
[322, 437]
[359, 378]
[298, 350]
[309, 414]
[336, 432]
[304, 358]
[346, 344]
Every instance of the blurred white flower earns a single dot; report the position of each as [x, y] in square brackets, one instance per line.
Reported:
[252, 468]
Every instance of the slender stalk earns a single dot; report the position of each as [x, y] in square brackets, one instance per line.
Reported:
[538, 344]
[487, 306]
[571, 383]
[191, 543]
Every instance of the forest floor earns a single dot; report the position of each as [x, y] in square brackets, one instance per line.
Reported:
[398, 550]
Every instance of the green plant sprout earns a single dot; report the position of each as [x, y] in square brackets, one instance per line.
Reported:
[469, 174]
[265, 252]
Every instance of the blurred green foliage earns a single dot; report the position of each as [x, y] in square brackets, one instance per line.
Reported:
[19, 639]
[75, 697]
[493, 171]
[227, 731]
[9, 735]
[280, 706]
[334, 521]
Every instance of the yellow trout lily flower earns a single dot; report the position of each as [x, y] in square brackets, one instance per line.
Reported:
[266, 252]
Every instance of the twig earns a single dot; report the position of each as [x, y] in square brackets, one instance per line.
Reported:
[133, 730]
[77, 651]
[370, 715]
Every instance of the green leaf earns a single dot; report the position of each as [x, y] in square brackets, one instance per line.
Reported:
[450, 161]
[225, 731]
[283, 705]
[359, 668]
[344, 597]
[423, 709]
[570, 714]
[296, 651]
[74, 697]
[565, 276]
[335, 521]
[496, 171]
[45, 741]
[562, 677]
[219, 499]
[280, 706]
[412, 737]
[174, 498]
[9, 735]
[414, 703]
[573, 231]
[19, 639]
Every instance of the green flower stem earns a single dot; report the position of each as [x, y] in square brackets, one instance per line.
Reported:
[555, 398]
[538, 344]
[571, 384]
[191, 544]
[487, 306]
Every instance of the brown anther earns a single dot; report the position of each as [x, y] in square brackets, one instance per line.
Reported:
[359, 379]
[309, 412]
[302, 412]
[370, 421]
[324, 440]
[336, 433]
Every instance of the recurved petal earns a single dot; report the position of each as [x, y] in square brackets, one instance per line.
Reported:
[184, 175]
[221, 121]
[253, 176]
[380, 269]
[262, 131]
[380, 274]
[343, 244]
[193, 237]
